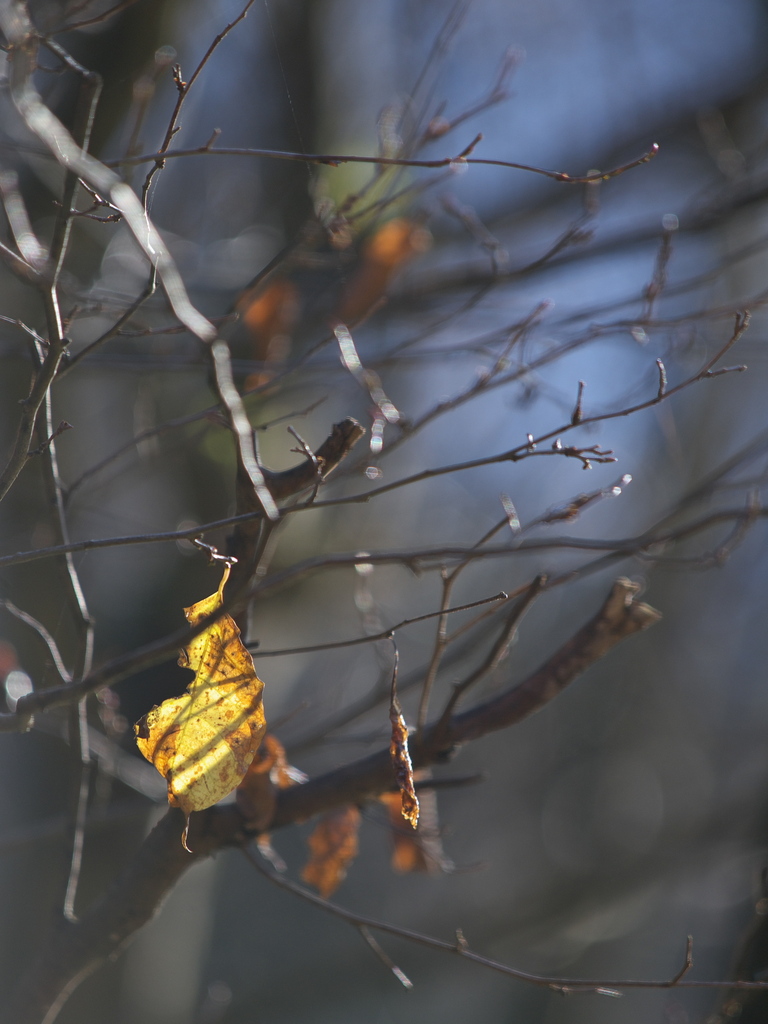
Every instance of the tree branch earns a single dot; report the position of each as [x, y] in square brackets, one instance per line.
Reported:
[247, 535]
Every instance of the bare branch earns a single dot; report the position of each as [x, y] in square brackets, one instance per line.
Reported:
[97, 19]
[247, 537]
[347, 158]
[183, 89]
[30, 407]
[460, 947]
[385, 634]
[499, 649]
[44, 635]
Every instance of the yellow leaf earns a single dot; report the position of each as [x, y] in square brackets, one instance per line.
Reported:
[204, 741]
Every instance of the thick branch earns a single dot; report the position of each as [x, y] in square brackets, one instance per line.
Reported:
[339, 443]
[246, 537]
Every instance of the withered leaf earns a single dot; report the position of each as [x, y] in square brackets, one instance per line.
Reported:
[333, 847]
[420, 849]
[384, 254]
[204, 741]
[401, 762]
[268, 771]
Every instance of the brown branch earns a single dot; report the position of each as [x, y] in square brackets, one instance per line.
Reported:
[247, 535]
[339, 443]
[498, 650]
[490, 381]
[532, 446]
[97, 18]
[460, 947]
[423, 558]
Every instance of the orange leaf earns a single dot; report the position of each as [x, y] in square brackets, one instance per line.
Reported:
[268, 770]
[401, 762]
[269, 314]
[333, 847]
[420, 849]
[204, 741]
[389, 248]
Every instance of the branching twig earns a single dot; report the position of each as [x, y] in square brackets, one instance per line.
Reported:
[183, 89]
[460, 947]
[499, 649]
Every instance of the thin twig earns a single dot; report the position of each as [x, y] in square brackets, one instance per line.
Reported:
[385, 634]
[97, 19]
[183, 89]
[621, 616]
[461, 948]
[388, 962]
[499, 649]
[71, 361]
[532, 446]
[211, 413]
[421, 558]
[345, 158]
[441, 641]
[44, 635]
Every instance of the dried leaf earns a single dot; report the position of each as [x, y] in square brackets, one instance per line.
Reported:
[333, 846]
[268, 770]
[420, 849]
[204, 741]
[401, 762]
[269, 314]
[386, 252]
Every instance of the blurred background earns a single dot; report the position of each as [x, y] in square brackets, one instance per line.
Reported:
[628, 814]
